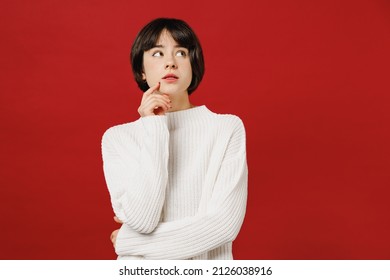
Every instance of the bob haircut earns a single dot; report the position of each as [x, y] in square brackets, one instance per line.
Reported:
[182, 33]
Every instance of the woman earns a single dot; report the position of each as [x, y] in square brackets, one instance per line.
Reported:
[177, 176]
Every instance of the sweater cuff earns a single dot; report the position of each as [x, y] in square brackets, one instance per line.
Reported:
[151, 124]
[122, 246]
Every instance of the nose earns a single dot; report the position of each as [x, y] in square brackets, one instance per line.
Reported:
[170, 63]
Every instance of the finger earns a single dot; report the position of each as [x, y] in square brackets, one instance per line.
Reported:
[150, 91]
[152, 105]
[156, 94]
[113, 236]
[116, 219]
[153, 88]
[156, 100]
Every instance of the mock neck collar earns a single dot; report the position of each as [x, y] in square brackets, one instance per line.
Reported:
[187, 117]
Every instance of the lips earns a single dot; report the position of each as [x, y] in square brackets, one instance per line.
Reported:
[170, 77]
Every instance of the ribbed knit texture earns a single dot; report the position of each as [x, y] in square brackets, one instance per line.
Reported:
[179, 184]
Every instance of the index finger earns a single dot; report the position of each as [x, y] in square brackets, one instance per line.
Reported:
[151, 90]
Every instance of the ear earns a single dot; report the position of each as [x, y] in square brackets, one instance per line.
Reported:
[143, 76]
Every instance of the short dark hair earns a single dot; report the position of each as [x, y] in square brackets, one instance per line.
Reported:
[182, 33]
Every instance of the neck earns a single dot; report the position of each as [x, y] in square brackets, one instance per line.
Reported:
[180, 102]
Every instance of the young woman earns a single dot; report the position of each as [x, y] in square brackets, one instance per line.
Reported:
[177, 176]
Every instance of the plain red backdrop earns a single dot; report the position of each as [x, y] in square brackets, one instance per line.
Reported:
[310, 79]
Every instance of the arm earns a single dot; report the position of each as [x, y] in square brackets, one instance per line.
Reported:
[136, 174]
[209, 229]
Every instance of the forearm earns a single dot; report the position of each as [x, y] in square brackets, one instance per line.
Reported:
[192, 236]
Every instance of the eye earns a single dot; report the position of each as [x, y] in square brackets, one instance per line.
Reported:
[181, 53]
[157, 53]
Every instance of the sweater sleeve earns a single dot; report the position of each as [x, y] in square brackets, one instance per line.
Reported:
[209, 229]
[136, 173]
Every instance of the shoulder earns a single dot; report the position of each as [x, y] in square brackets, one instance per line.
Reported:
[229, 122]
[232, 132]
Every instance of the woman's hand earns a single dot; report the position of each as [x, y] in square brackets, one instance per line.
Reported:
[154, 103]
[115, 232]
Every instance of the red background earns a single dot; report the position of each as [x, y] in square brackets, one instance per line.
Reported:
[310, 79]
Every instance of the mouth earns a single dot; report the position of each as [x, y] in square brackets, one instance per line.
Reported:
[170, 77]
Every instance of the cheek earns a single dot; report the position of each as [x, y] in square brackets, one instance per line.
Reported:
[148, 68]
[149, 65]
[150, 72]
[189, 73]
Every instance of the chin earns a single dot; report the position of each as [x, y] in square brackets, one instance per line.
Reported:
[170, 89]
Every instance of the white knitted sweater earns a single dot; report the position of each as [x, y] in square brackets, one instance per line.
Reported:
[179, 184]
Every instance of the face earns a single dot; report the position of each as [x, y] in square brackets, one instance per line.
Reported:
[169, 64]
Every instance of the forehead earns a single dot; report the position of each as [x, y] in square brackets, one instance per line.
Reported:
[165, 38]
